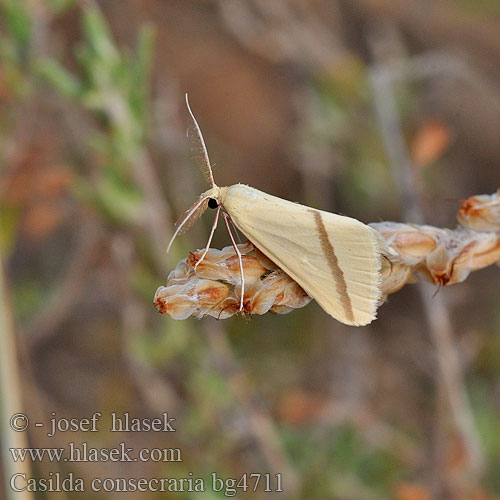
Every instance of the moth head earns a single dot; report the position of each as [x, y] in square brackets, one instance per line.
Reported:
[213, 196]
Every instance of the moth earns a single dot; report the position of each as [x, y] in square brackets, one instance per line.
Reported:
[335, 259]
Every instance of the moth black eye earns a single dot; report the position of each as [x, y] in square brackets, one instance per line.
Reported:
[212, 203]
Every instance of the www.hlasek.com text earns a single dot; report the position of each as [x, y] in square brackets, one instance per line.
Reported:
[82, 452]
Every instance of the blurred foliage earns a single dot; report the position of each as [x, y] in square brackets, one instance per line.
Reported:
[15, 45]
[115, 88]
[480, 7]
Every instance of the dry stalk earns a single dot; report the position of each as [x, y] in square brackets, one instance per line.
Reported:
[10, 395]
[450, 261]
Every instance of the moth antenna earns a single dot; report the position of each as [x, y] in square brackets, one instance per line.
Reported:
[205, 161]
[186, 218]
[226, 217]
[214, 226]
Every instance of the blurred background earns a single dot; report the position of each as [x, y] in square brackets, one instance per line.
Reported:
[378, 109]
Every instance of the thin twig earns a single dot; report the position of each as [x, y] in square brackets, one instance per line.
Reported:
[450, 375]
[158, 213]
[260, 425]
[69, 289]
[10, 395]
[156, 391]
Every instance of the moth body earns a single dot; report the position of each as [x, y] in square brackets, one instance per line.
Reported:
[335, 259]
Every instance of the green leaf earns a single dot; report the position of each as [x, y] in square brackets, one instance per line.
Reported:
[18, 20]
[59, 6]
[140, 73]
[62, 80]
[120, 203]
[9, 222]
[98, 35]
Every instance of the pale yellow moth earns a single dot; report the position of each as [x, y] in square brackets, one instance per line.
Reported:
[335, 259]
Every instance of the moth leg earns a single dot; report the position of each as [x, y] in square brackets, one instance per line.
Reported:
[226, 217]
[214, 227]
[235, 230]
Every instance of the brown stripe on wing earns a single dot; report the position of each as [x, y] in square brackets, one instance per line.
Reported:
[333, 264]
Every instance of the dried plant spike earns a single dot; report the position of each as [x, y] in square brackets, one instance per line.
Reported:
[213, 289]
[481, 213]
[442, 256]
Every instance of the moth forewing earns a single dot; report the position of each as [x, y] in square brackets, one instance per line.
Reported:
[335, 259]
